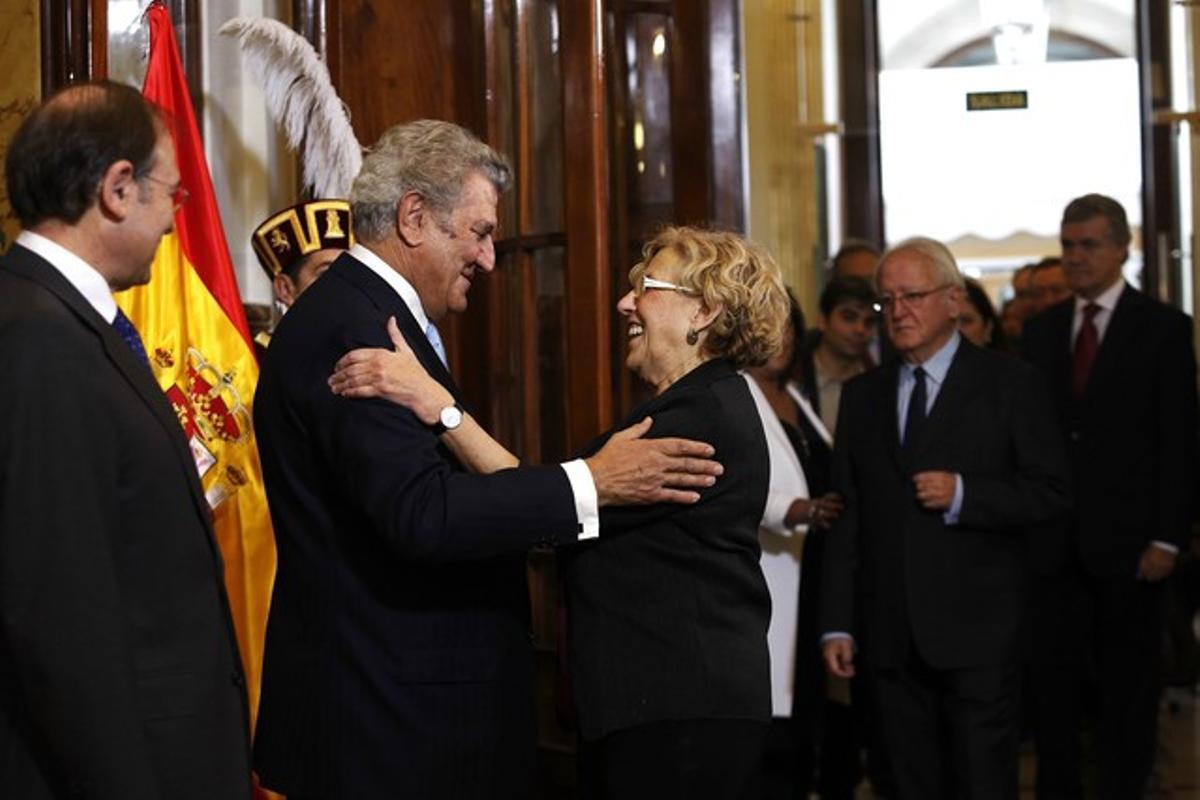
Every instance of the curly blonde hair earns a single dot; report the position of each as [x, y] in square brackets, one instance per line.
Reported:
[729, 273]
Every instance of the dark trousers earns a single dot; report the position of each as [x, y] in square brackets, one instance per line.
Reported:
[1104, 634]
[950, 733]
[707, 759]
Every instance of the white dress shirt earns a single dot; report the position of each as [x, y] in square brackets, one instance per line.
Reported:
[80, 274]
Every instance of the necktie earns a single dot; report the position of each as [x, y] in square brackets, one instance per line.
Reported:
[914, 421]
[123, 326]
[435, 339]
[1087, 342]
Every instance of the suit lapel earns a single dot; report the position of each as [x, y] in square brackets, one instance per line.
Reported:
[1059, 320]
[890, 374]
[136, 374]
[390, 304]
[954, 394]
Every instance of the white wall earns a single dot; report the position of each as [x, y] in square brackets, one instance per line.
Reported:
[253, 172]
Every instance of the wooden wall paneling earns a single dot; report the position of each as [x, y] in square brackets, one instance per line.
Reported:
[1160, 241]
[74, 42]
[588, 284]
[781, 155]
[393, 62]
[619, 140]
[691, 119]
[728, 206]
[495, 392]
[858, 65]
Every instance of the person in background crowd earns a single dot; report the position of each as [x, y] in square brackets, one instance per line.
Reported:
[978, 322]
[1019, 306]
[1049, 285]
[792, 535]
[856, 258]
[838, 350]
[1123, 373]
[944, 458]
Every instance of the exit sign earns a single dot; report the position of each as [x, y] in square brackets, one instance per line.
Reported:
[993, 101]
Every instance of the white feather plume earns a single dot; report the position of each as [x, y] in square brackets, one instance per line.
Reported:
[301, 98]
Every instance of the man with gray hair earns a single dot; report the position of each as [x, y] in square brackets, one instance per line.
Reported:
[1122, 372]
[397, 659]
[944, 458]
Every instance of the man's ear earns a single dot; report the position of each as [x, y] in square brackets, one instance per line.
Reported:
[412, 219]
[285, 289]
[955, 297]
[118, 190]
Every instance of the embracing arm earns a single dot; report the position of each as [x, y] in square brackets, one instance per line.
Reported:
[629, 469]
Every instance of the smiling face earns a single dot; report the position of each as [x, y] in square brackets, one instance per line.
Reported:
[921, 314]
[457, 246]
[657, 323]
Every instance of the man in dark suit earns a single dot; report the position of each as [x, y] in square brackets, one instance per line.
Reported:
[397, 659]
[944, 459]
[1123, 378]
[119, 670]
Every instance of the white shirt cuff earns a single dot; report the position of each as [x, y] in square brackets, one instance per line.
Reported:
[829, 637]
[951, 515]
[1170, 548]
[587, 504]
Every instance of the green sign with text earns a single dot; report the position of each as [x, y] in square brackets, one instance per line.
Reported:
[992, 101]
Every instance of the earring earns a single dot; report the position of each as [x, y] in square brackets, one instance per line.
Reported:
[692, 336]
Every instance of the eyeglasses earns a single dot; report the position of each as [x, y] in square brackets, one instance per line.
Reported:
[889, 302]
[647, 283]
[179, 195]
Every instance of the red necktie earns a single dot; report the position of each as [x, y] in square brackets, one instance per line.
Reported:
[1086, 345]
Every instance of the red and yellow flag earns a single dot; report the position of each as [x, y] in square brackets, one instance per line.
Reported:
[194, 327]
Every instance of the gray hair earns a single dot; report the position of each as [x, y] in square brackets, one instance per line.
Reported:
[1082, 209]
[430, 157]
[936, 254]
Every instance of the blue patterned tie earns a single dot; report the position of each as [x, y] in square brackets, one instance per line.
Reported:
[129, 333]
[435, 339]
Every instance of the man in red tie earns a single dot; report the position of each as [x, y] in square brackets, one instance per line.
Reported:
[1123, 374]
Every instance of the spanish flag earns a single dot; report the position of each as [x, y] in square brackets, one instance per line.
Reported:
[194, 327]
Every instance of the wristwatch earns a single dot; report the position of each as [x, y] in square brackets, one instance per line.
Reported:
[449, 418]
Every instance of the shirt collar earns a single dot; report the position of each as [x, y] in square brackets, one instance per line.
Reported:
[1107, 300]
[394, 279]
[80, 274]
[938, 364]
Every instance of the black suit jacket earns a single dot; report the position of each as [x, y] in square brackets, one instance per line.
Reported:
[668, 609]
[895, 574]
[397, 656]
[119, 671]
[1131, 438]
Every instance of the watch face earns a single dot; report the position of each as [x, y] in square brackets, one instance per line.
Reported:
[451, 417]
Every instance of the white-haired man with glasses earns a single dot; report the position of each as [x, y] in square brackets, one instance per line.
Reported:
[945, 458]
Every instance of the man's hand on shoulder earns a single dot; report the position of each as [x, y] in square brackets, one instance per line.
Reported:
[632, 470]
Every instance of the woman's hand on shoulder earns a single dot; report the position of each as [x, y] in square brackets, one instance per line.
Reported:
[395, 375]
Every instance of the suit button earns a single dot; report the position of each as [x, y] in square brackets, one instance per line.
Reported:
[236, 679]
